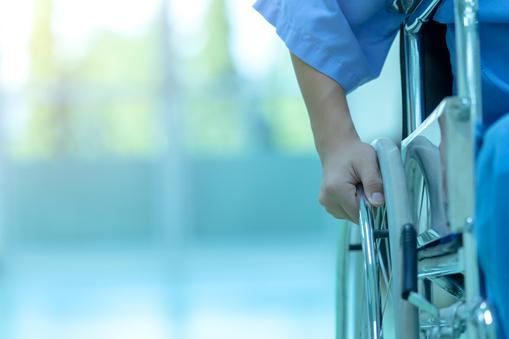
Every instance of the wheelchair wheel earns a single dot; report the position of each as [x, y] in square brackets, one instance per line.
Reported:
[428, 206]
[427, 198]
[369, 285]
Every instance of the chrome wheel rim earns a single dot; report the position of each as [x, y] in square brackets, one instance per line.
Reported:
[378, 272]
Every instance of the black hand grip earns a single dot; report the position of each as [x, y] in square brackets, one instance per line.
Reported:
[409, 251]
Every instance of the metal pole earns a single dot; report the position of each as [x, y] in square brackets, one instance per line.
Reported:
[464, 121]
[414, 92]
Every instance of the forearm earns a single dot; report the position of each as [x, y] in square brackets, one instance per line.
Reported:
[327, 108]
[346, 161]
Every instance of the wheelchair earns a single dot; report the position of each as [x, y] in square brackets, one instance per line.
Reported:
[410, 269]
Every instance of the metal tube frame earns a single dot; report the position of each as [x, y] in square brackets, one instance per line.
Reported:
[414, 92]
[460, 133]
[462, 116]
[372, 289]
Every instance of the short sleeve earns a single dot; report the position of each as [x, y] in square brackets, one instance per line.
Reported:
[346, 40]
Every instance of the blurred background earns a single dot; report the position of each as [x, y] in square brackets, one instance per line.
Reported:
[158, 177]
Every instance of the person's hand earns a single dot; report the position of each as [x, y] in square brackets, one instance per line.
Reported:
[347, 162]
[350, 164]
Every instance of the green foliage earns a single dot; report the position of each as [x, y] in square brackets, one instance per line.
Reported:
[109, 100]
[103, 102]
[213, 123]
[215, 58]
[212, 108]
[226, 113]
[42, 44]
[117, 60]
[288, 120]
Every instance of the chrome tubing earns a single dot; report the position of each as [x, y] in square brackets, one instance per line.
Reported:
[370, 269]
[468, 63]
[461, 122]
[423, 13]
[414, 92]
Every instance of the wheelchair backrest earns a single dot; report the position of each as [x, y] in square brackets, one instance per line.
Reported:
[425, 64]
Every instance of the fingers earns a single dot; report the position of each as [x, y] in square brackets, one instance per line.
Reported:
[339, 199]
[333, 208]
[369, 175]
[343, 173]
[350, 202]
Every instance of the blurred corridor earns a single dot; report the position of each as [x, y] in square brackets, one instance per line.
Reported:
[157, 176]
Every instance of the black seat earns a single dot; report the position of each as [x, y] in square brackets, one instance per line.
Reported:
[436, 68]
[437, 65]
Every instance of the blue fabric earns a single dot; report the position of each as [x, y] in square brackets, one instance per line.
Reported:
[349, 40]
[492, 172]
[494, 68]
[346, 40]
[492, 225]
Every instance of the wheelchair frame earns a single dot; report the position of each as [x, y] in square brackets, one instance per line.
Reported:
[461, 114]
[458, 116]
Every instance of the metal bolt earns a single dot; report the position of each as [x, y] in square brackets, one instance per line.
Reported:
[469, 225]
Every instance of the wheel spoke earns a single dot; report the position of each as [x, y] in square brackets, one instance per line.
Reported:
[428, 209]
[386, 302]
[421, 201]
[377, 293]
[382, 268]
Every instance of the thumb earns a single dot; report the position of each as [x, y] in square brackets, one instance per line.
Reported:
[372, 183]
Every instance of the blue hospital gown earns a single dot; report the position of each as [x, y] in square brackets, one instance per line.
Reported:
[348, 40]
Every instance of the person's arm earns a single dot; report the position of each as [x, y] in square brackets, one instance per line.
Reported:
[346, 160]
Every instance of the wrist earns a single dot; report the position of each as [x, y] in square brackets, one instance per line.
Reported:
[331, 148]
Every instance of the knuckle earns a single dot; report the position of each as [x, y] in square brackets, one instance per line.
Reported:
[326, 200]
[331, 188]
